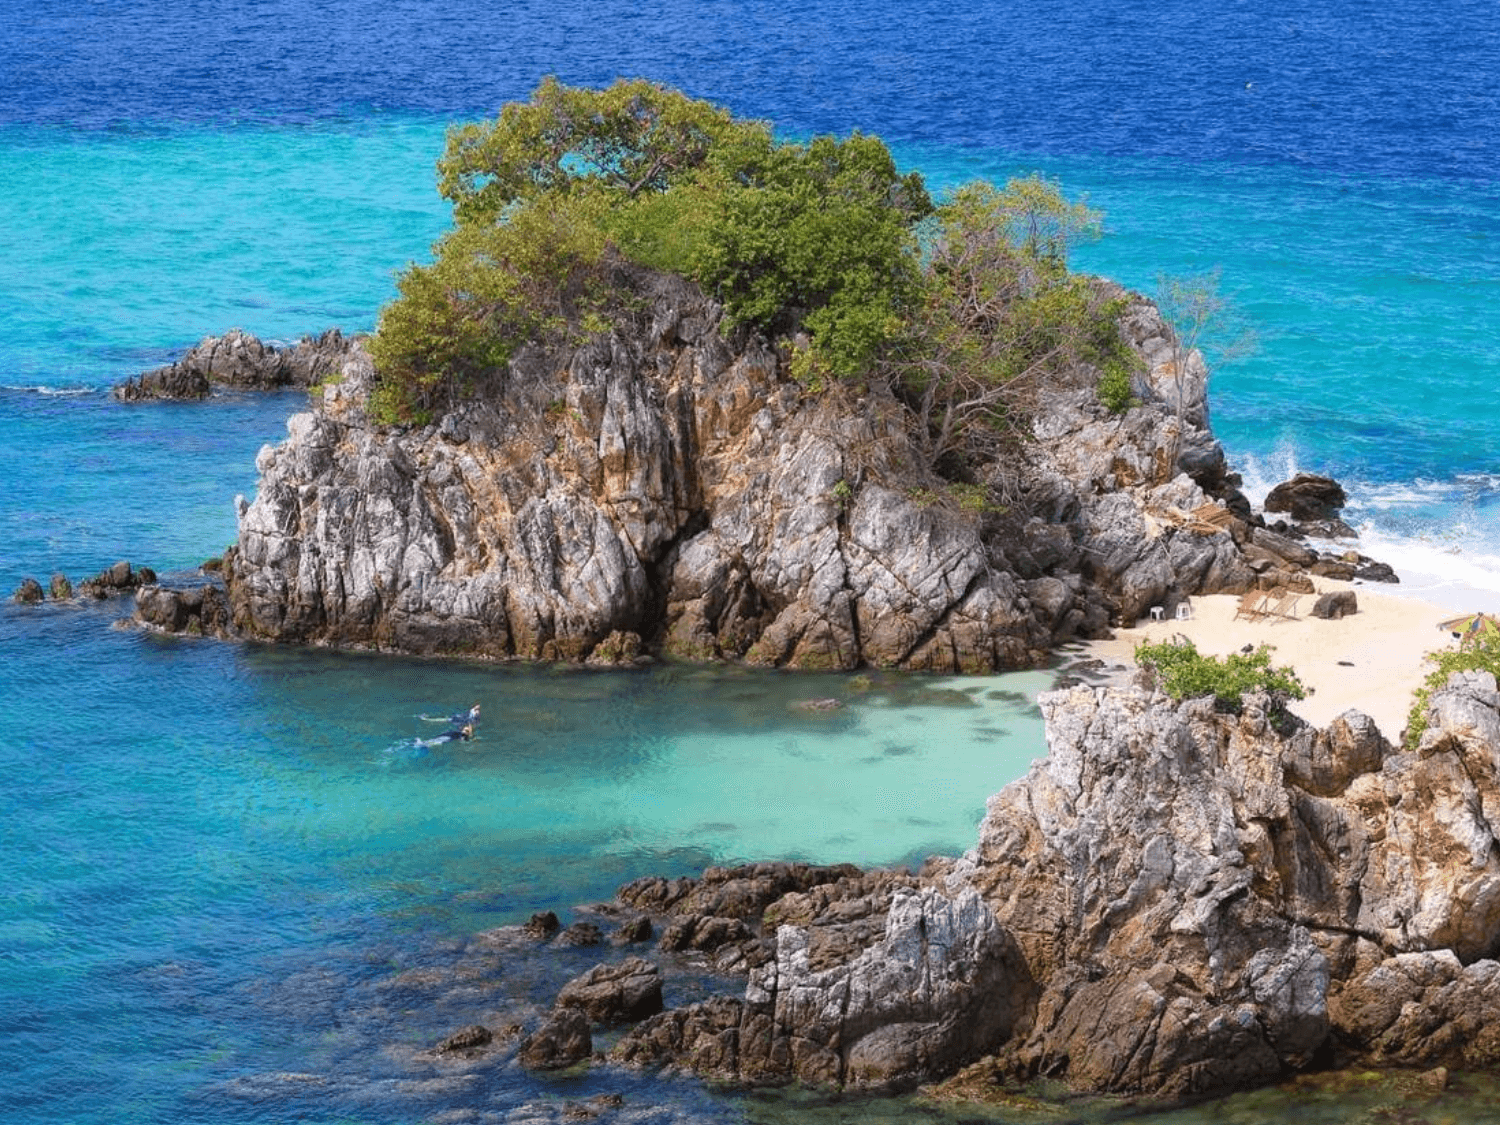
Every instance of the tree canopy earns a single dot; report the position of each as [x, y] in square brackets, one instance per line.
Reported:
[958, 306]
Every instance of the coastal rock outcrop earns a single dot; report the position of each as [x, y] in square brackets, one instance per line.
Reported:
[238, 359]
[1308, 496]
[1175, 902]
[121, 578]
[660, 489]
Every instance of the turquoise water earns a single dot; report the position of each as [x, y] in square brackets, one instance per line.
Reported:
[222, 860]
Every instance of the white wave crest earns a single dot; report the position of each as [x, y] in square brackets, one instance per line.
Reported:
[54, 392]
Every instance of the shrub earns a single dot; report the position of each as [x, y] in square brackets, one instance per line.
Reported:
[820, 234]
[1183, 673]
[1481, 655]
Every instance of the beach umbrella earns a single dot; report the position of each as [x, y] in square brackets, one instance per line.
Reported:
[1472, 626]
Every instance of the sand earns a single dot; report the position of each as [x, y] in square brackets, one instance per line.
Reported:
[1371, 661]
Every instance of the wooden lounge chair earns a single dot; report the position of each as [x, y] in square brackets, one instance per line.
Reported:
[1286, 605]
[1252, 605]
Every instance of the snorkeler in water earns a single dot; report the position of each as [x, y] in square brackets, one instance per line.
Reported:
[464, 733]
[469, 717]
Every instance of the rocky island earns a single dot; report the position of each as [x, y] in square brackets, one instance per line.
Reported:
[1176, 901]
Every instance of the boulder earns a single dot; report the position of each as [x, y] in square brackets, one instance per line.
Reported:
[634, 930]
[1335, 604]
[29, 592]
[238, 359]
[60, 589]
[1308, 497]
[561, 1041]
[466, 1039]
[623, 992]
[581, 934]
[542, 925]
[118, 579]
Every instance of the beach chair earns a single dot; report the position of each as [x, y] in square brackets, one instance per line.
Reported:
[1286, 605]
[1252, 605]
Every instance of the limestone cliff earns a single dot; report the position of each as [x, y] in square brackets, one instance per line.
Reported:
[1173, 902]
[658, 488]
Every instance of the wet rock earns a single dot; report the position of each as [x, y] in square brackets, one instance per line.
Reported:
[704, 933]
[934, 986]
[730, 892]
[561, 1041]
[118, 579]
[60, 589]
[1376, 572]
[581, 934]
[238, 359]
[466, 1039]
[29, 592]
[197, 611]
[1307, 497]
[634, 930]
[542, 925]
[623, 992]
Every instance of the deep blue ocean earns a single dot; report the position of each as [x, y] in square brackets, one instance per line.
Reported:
[225, 866]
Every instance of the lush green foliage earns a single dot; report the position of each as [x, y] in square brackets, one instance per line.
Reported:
[1479, 655]
[1001, 315]
[820, 234]
[456, 323]
[1183, 673]
[630, 139]
[964, 308]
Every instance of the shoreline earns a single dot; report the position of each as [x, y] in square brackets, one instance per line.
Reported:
[1370, 661]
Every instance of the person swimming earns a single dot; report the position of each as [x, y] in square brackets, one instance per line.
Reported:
[464, 733]
[469, 717]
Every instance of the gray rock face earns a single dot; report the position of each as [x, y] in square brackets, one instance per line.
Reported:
[925, 989]
[238, 359]
[1197, 895]
[1174, 902]
[659, 490]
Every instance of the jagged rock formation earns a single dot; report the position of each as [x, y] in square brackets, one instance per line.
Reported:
[1174, 902]
[660, 489]
[238, 359]
[121, 578]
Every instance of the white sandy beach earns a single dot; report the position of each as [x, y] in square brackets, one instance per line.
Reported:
[1371, 661]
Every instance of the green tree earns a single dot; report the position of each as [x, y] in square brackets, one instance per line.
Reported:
[1000, 316]
[815, 236]
[820, 235]
[628, 139]
[1480, 655]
